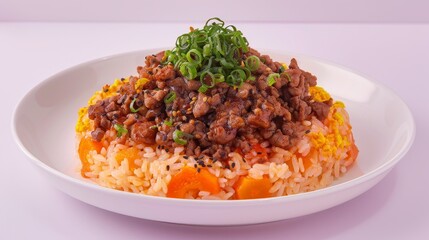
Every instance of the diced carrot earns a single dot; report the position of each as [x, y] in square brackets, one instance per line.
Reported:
[130, 154]
[250, 188]
[189, 180]
[85, 146]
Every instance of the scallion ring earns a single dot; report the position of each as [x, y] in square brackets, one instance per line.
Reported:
[188, 70]
[170, 97]
[132, 109]
[180, 137]
[168, 122]
[252, 63]
[271, 79]
[194, 56]
[121, 130]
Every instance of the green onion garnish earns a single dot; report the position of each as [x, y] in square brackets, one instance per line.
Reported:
[132, 109]
[180, 137]
[252, 63]
[170, 97]
[168, 122]
[203, 88]
[272, 78]
[194, 56]
[281, 69]
[188, 70]
[214, 49]
[120, 130]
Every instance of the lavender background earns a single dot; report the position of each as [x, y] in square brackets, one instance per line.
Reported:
[332, 11]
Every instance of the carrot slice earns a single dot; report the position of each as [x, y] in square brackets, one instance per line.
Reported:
[250, 188]
[190, 180]
[130, 154]
[85, 146]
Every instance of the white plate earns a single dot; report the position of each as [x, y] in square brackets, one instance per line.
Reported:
[44, 120]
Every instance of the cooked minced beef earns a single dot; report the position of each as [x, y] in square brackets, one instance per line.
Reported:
[218, 121]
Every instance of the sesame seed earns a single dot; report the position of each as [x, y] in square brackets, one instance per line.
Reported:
[184, 118]
[195, 165]
[307, 132]
[209, 165]
[198, 170]
[194, 98]
[233, 164]
[168, 167]
[186, 157]
[205, 99]
[174, 113]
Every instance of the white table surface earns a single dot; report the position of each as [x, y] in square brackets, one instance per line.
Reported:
[395, 55]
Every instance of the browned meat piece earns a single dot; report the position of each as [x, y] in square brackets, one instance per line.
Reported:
[190, 147]
[244, 91]
[301, 108]
[268, 132]
[193, 85]
[96, 110]
[279, 139]
[152, 61]
[131, 119]
[111, 107]
[310, 78]
[113, 115]
[236, 121]
[269, 62]
[299, 89]
[201, 106]
[221, 135]
[154, 98]
[97, 134]
[220, 154]
[141, 132]
[187, 128]
[320, 109]
[177, 83]
[260, 118]
[214, 100]
[165, 73]
[105, 123]
[293, 64]
[159, 56]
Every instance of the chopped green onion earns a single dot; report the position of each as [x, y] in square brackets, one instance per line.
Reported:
[168, 122]
[252, 63]
[207, 50]
[272, 78]
[120, 130]
[194, 56]
[281, 69]
[203, 88]
[236, 77]
[153, 127]
[188, 70]
[132, 109]
[180, 137]
[215, 48]
[170, 97]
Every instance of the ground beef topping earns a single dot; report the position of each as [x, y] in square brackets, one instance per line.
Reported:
[218, 121]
